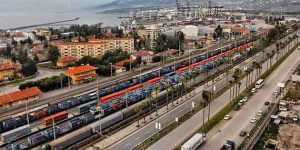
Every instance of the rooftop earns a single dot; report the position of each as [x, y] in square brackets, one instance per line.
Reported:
[6, 66]
[144, 53]
[19, 95]
[80, 69]
[66, 59]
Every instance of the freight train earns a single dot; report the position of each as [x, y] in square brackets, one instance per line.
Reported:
[113, 99]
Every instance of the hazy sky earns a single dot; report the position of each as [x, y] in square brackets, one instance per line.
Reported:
[19, 6]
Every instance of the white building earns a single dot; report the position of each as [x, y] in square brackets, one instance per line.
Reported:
[190, 30]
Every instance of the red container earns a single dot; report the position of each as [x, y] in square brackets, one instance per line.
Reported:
[135, 87]
[181, 70]
[111, 96]
[56, 118]
[152, 81]
[38, 114]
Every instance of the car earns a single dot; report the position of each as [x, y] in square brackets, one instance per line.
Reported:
[275, 93]
[227, 117]
[253, 120]
[259, 113]
[243, 133]
[253, 90]
[295, 118]
[245, 99]
[240, 103]
[267, 103]
[237, 107]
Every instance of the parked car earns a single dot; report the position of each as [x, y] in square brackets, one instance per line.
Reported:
[259, 113]
[253, 120]
[295, 118]
[237, 107]
[243, 133]
[227, 117]
[253, 90]
[245, 99]
[267, 103]
[275, 93]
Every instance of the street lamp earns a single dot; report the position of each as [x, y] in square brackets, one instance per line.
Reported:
[110, 69]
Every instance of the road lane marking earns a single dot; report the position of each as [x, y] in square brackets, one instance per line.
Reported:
[127, 144]
[137, 138]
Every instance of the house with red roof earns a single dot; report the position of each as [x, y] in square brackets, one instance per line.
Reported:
[81, 74]
[146, 55]
[29, 94]
[65, 61]
[8, 71]
[120, 66]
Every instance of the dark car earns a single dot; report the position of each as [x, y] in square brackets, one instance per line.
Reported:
[267, 103]
[243, 133]
[237, 107]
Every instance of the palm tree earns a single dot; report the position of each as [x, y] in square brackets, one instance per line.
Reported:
[138, 110]
[183, 81]
[230, 89]
[150, 104]
[156, 89]
[190, 77]
[172, 90]
[194, 80]
[248, 77]
[239, 87]
[144, 104]
[269, 56]
[236, 77]
[257, 67]
[206, 95]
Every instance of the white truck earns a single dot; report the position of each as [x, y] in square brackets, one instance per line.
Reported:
[194, 142]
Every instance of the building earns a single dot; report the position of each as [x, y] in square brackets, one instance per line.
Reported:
[94, 48]
[65, 61]
[120, 66]
[126, 44]
[8, 71]
[43, 32]
[150, 34]
[235, 31]
[18, 97]
[146, 55]
[81, 74]
[80, 49]
[190, 30]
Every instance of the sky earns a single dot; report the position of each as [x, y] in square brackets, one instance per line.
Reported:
[21, 6]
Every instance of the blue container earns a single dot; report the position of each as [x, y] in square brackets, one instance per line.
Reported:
[110, 90]
[75, 102]
[102, 93]
[64, 105]
[119, 87]
[49, 134]
[88, 118]
[52, 109]
[76, 123]
[36, 139]
[10, 124]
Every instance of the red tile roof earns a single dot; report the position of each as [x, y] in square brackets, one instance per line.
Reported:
[80, 69]
[121, 63]
[19, 95]
[143, 53]
[39, 47]
[66, 59]
[6, 66]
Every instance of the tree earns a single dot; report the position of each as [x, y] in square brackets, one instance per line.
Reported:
[156, 90]
[206, 95]
[269, 56]
[138, 110]
[53, 54]
[8, 51]
[22, 56]
[219, 31]
[14, 43]
[36, 58]
[13, 58]
[138, 60]
[156, 58]
[41, 38]
[29, 68]
[104, 70]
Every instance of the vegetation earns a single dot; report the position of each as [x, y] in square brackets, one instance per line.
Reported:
[164, 42]
[29, 68]
[218, 32]
[47, 84]
[53, 54]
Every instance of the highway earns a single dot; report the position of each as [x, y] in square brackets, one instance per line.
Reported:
[139, 136]
[65, 93]
[241, 120]
[187, 129]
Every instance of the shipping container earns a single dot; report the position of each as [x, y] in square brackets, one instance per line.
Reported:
[75, 101]
[52, 109]
[56, 118]
[49, 134]
[88, 118]
[64, 105]
[75, 123]
[38, 114]
[110, 90]
[133, 88]
[15, 133]
[111, 96]
[36, 139]
[152, 81]
[86, 107]
[10, 123]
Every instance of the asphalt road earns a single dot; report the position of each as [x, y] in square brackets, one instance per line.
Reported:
[241, 120]
[139, 136]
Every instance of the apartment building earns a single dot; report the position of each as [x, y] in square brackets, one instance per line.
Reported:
[81, 74]
[94, 48]
[150, 34]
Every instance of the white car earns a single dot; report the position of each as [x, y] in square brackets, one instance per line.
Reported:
[227, 117]
[295, 118]
[275, 93]
[253, 90]
[253, 120]
[240, 102]
[245, 99]
[259, 113]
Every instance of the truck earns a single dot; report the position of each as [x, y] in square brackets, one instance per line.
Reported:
[194, 142]
[229, 145]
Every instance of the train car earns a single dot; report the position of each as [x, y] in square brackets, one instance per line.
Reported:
[38, 114]
[70, 139]
[106, 122]
[110, 90]
[152, 81]
[36, 139]
[64, 105]
[75, 102]
[111, 96]
[10, 124]
[86, 107]
[52, 109]
[15, 133]
[135, 87]
[56, 118]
